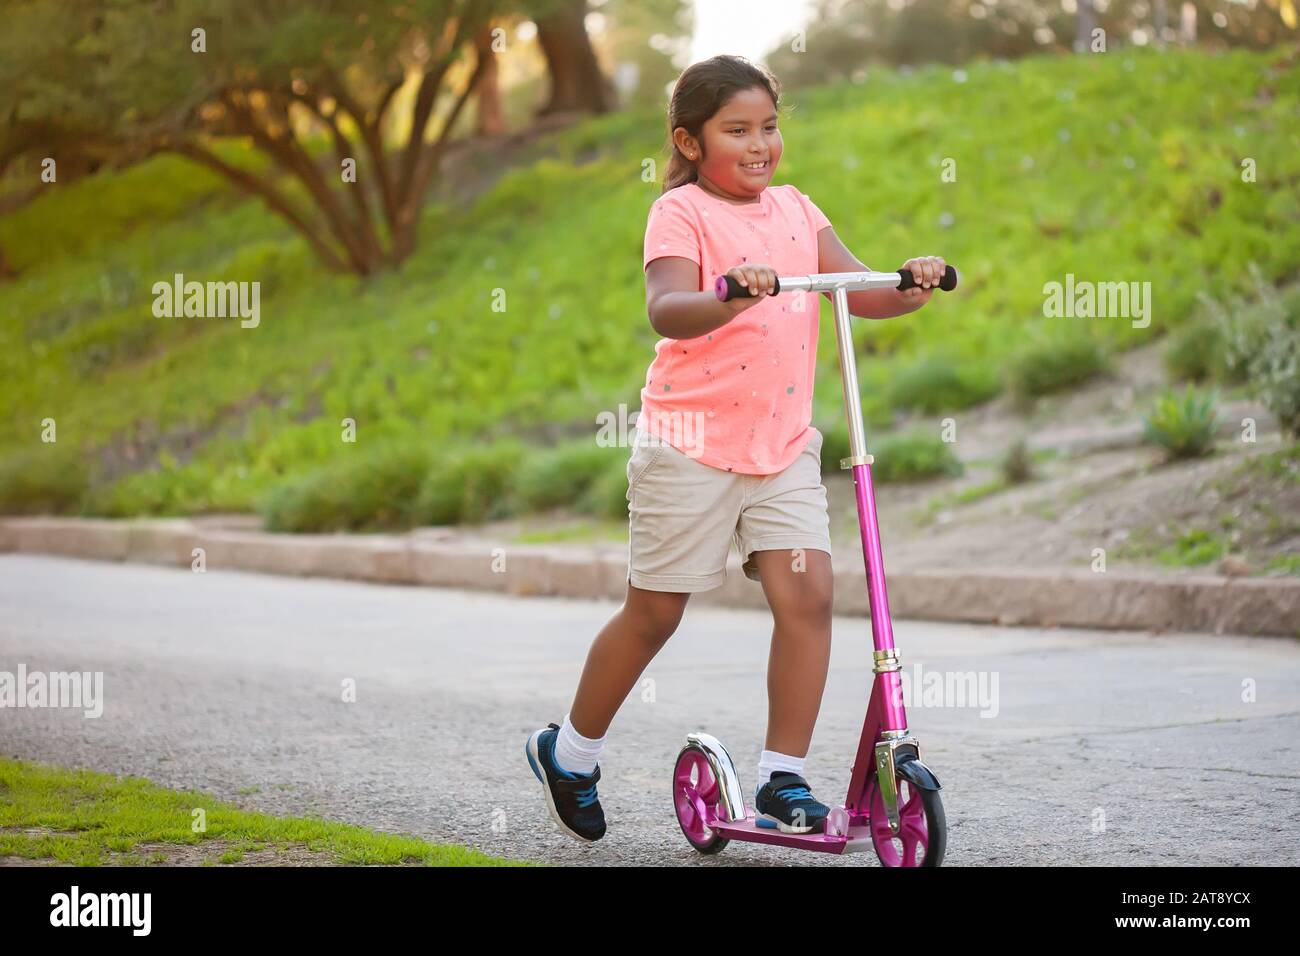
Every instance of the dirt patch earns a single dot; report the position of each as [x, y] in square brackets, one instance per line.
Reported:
[1098, 484]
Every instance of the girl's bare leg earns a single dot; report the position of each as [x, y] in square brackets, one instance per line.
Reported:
[621, 651]
[800, 594]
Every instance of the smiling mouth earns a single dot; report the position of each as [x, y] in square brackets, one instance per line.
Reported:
[755, 167]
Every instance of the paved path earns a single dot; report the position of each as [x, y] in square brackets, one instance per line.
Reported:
[225, 681]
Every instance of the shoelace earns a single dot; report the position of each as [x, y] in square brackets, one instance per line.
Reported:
[795, 793]
[586, 796]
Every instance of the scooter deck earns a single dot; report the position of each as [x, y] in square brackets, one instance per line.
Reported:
[858, 840]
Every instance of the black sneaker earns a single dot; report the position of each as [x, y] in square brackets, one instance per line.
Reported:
[785, 803]
[570, 796]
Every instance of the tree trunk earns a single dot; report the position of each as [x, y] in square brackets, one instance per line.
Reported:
[1187, 27]
[1161, 22]
[490, 121]
[576, 80]
[1085, 22]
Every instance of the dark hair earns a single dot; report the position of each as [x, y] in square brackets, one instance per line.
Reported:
[698, 94]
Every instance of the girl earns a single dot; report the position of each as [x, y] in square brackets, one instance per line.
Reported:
[725, 450]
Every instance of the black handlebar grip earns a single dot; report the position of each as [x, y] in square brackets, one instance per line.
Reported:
[946, 284]
[726, 288]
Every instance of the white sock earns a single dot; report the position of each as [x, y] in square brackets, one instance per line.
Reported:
[772, 760]
[574, 752]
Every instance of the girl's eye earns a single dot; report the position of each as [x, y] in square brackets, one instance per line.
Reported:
[772, 126]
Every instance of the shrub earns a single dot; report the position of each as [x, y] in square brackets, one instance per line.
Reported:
[1054, 364]
[471, 485]
[561, 476]
[936, 384]
[835, 433]
[1017, 465]
[48, 478]
[1264, 347]
[1184, 426]
[606, 497]
[365, 490]
[913, 457]
[1197, 352]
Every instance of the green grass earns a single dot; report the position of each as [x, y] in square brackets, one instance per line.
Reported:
[1194, 548]
[578, 531]
[195, 415]
[95, 815]
[965, 496]
[1183, 425]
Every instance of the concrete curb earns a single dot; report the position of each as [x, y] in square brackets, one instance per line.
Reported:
[1008, 596]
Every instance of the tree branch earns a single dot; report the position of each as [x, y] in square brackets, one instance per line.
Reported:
[258, 186]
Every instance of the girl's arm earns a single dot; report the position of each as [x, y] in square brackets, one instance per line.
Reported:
[676, 307]
[833, 256]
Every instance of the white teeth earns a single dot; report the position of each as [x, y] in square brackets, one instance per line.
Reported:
[754, 165]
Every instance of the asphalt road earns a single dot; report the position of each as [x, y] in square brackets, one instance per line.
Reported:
[1105, 749]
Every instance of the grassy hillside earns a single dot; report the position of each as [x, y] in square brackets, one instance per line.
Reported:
[1117, 167]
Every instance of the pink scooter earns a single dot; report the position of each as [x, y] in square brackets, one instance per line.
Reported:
[893, 802]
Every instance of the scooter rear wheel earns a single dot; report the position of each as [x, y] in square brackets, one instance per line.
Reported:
[923, 831]
[696, 796]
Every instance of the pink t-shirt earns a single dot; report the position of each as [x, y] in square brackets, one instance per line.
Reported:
[740, 397]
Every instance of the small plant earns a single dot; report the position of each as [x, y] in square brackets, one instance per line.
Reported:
[1195, 547]
[1053, 365]
[937, 384]
[1017, 465]
[1183, 425]
[913, 457]
[1197, 352]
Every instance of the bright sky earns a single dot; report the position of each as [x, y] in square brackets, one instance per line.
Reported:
[749, 28]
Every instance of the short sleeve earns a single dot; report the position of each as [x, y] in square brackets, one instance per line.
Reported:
[671, 231]
[815, 216]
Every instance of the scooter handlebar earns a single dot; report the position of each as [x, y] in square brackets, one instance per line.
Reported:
[726, 288]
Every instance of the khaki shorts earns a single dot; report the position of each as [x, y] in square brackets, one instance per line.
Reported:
[684, 515]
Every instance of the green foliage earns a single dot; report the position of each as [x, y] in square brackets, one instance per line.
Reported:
[364, 489]
[471, 485]
[1183, 425]
[49, 478]
[419, 357]
[550, 478]
[1284, 463]
[606, 497]
[913, 457]
[936, 384]
[1197, 353]
[1054, 364]
[1195, 547]
[1264, 345]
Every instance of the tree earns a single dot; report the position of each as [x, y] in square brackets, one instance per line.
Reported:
[117, 80]
[489, 119]
[577, 82]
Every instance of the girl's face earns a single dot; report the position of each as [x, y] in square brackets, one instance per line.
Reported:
[740, 149]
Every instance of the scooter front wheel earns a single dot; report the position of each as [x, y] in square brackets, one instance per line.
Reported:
[696, 796]
[922, 833]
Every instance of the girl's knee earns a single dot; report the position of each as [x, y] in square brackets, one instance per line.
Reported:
[656, 614]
